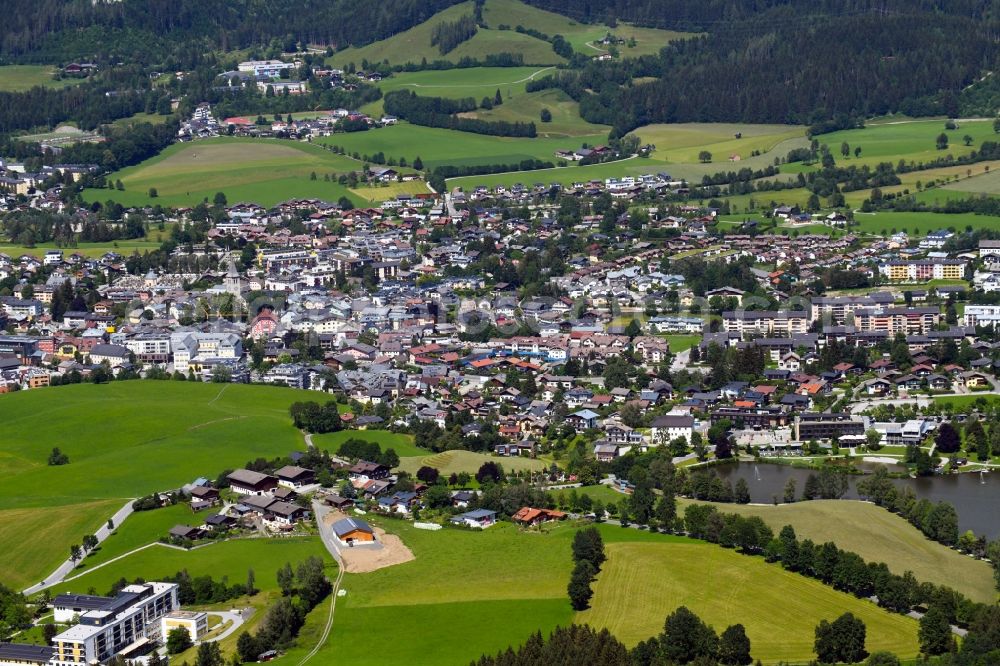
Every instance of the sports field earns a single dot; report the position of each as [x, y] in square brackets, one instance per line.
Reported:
[400, 443]
[643, 581]
[263, 171]
[149, 436]
[17, 78]
[878, 536]
[436, 147]
[447, 462]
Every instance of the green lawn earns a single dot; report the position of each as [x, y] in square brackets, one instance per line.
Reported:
[475, 82]
[400, 443]
[680, 342]
[263, 171]
[436, 147]
[465, 461]
[140, 529]
[123, 440]
[17, 78]
[643, 581]
[878, 536]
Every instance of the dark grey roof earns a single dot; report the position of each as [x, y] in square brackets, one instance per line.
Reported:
[22, 652]
[348, 525]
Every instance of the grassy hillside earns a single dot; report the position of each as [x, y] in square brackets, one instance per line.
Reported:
[911, 140]
[643, 581]
[878, 536]
[264, 171]
[582, 36]
[123, 440]
[414, 44]
[566, 120]
[400, 443]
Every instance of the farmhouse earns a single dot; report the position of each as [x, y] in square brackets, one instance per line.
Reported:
[292, 476]
[353, 530]
[246, 482]
[530, 516]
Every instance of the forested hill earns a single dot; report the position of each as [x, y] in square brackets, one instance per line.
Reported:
[801, 61]
[57, 29]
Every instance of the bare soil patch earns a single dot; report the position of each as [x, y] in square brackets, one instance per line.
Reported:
[363, 559]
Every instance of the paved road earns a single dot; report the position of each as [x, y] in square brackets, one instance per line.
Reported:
[237, 620]
[66, 567]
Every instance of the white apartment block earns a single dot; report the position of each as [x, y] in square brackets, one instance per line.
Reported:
[982, 315]
[123, 622]
[781, 323]
[192, 348]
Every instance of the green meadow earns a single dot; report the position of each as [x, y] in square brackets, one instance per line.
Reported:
[122, 247]
[888, 140]
[646, 579]
[18, 78]
[437, 147]
[124, 440]
[877, 535]
[513, 582]
[263, 171]
[448, 462]
[921, 222]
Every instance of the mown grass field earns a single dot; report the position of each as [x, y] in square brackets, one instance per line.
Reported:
[447, 462]
[682, 142]
[643, 581]
[383, 192]
[436, 147]
[263, 171]
[140, 529]
[400, 443]
[878, 536]
[17, 78]
[27, 537]
[920, 223]
[475, 82]
[565, 112]
[124, 440]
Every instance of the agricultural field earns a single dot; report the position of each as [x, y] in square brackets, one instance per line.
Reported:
[152, 436]
[682, 142]
[382, 192]
[939, 185]
[643, 580]
[890, 140]
[17, 78]
[566, 120]
[437, 147]
[457, 461]
[400, 443]
[878, 536]
[264, 171]
[475, 82]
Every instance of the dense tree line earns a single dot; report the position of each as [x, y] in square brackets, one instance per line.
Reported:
[588, 556]
[86, 104]
[437, 112]
[447, 35]
[359, 449]
[316, 418]
[938, 521]
[68, 29]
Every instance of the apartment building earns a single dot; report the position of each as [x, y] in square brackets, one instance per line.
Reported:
[897, 320]
[150, 347]
[126, 622]
[192, 349]
[921, 270]
[834, 309]
[982, 315]
[765, 322]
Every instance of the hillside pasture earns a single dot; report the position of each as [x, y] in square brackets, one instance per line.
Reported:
[150, 436]
[682, 142]
[414, 45]
[263, 171]
[642, 582]
[910, 140]
[525, 108]
[400, 443]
